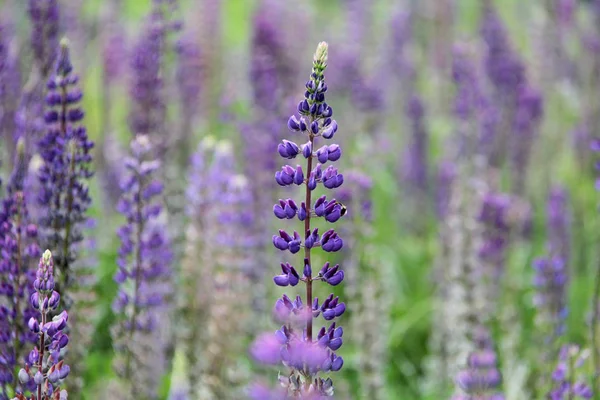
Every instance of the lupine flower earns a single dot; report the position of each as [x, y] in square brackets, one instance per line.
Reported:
[550, 283]
[220, 239]
[45, 369]
[147, 113]
[148, 108]
[306, 353]
[559, 220]
[10, 86]
[529, 110]
[221, 375]
[415, 169]
[65, 150]
[506, 72]
[189, 78]
[18, 239]
[481, 380]
[271, 74]
[503, 66]
[566, 382]
[495, 217]
[472, 105]
[64, 200]
[143, 276]
[271, 69]
[445, 176]
[45, 19]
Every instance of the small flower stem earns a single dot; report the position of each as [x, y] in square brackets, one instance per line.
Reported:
[40, 363]
[309, 295]
[19, 269]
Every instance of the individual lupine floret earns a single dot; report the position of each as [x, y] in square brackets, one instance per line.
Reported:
[20, 251]
[294, 345]
[45, 369]
[567, 383]
[143, 275]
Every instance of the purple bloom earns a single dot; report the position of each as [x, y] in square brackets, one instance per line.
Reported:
[504, 68]
[143, 273]
[44, 16]
[189, 77]
[472, 105]
[18, 240]
[415, 168]
[550, 283]
[294, 344]
[566, 384]
[66, 151]
[147, 113]
[10, 86]
[529, 111]
[481, 379]
[446, 175]
[45, 369]
[559, 220]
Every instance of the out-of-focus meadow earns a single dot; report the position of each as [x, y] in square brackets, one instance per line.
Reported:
[467, 134]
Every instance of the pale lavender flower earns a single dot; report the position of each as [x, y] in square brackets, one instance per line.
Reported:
[45, 20]
[143, 275]
[559, 221]
[567, 381]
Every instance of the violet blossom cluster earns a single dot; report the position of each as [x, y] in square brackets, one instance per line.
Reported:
[567, 381]
[559, 220]
[415, 168]
[18, 240]
[45, 367]
[10, 87]
[45, 20]
[550, 298]
[495, 217]
[66, 152]
[143, 276]
[481, 379]
[306, 353]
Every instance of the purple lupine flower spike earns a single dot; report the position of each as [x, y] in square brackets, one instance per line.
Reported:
[143, 276]
[415, 169]
[550, 283]
[559, 220]
[64, 200]
[10, 86]
[44, 16]
[566, 380]
[148, 109]
[45, 369]
[305, 352]
[481, 379]
[66, 152]
[18, 240]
